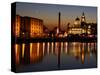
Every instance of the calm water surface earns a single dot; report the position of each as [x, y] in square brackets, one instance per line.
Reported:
[55, 55]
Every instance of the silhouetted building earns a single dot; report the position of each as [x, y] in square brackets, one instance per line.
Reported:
[46, 31]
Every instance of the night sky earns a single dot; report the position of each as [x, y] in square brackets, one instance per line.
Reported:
[49, 13]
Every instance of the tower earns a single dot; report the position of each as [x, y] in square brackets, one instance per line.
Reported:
[83, 20]
[59, 21]
[84, 24]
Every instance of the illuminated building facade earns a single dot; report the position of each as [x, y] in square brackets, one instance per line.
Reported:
[76, 28]
[83, 20]
[36, 27]
[16, 27]
[80, 26]
[26, 27]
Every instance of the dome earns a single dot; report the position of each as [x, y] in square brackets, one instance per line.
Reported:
[77, 19]
[77, 22]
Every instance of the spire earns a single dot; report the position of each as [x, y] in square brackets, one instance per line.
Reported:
[59, 19]
[83, 20]
[83, 14]
[83, 17]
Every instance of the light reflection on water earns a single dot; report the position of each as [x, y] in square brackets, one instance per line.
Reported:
[38, 53]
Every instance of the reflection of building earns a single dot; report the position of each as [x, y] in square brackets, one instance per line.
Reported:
[83, 53]
[36, 52]
[27, 27]
[17, 53]
[32, 53]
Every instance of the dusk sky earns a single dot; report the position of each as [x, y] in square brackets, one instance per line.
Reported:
[49, 13]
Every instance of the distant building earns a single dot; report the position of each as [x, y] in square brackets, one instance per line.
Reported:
[16, 26]
[36, 27]
[84, 24]
[80, 26]
[46, 31]
[27, 27]
[76, 28]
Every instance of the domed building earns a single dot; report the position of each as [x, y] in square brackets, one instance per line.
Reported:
[76, 27]
[80, 26]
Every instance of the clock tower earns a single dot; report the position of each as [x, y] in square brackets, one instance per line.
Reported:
[83, 20]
